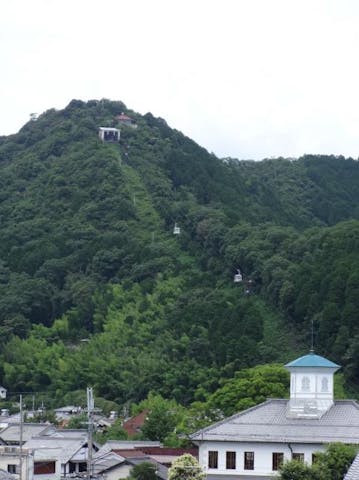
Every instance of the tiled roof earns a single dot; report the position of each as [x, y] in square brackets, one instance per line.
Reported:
[176, 452]
[267, 422]
[133, 425]
[125, 444]
[353, 472]
[59, 448]
[11, 433]
[69, 433]
[129, 453]
[106, 461]
[124, 117]
[312, 360]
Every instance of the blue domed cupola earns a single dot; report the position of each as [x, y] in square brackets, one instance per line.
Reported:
[311, 386]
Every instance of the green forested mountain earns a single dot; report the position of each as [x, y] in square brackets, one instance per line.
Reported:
[96, 290]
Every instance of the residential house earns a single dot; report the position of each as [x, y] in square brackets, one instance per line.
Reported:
[111, 465]
[252, 444]
[127, 459]
[67, 412]
[2, 392]
[117, 463]
[57, 456]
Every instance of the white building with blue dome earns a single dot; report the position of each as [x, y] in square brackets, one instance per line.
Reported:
[252, 444]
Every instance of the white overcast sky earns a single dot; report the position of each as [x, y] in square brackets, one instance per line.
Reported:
[243, 78]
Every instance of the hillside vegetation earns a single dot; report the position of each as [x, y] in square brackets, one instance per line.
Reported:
[96, 290]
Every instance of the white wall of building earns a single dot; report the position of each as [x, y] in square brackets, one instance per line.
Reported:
[320, 386]
[262, 456]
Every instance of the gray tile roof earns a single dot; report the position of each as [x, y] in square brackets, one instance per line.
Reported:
[125, 444]
[11, 433]
[267, 422]
[63, 449]
[68, 433]
[353, 472]
[106, 462]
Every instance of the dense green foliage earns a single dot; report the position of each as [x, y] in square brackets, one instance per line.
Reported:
[87, 253]
[115, 432]
[250, 387]
[162, 417]
[329, 465]
[143, 471]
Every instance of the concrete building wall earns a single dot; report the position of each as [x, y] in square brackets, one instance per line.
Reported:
[11, 456]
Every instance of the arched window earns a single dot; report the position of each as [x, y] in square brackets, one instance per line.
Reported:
[305, 384]
[324, 384]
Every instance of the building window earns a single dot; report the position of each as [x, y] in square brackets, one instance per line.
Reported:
[231, 460]
[298, 456]
[44, 468]
[277, 460]
[314, 458]
[324, 384]
[12, 468]
[305, 384]
[212, 459]
[248, 460]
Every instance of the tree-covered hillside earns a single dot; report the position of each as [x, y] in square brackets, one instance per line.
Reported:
[87, 252]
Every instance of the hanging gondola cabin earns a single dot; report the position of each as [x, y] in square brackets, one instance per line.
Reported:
[238, 277]
[109, 134]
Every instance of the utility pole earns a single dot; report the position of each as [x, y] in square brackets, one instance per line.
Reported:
[21, 435]
[90, 407]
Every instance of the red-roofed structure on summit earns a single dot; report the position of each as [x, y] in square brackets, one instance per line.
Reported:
[124, 119]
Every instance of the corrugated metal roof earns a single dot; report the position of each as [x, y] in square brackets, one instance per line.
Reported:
[312, 360]
[267, 422]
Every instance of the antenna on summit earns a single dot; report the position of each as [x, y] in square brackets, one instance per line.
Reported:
[312, 333]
